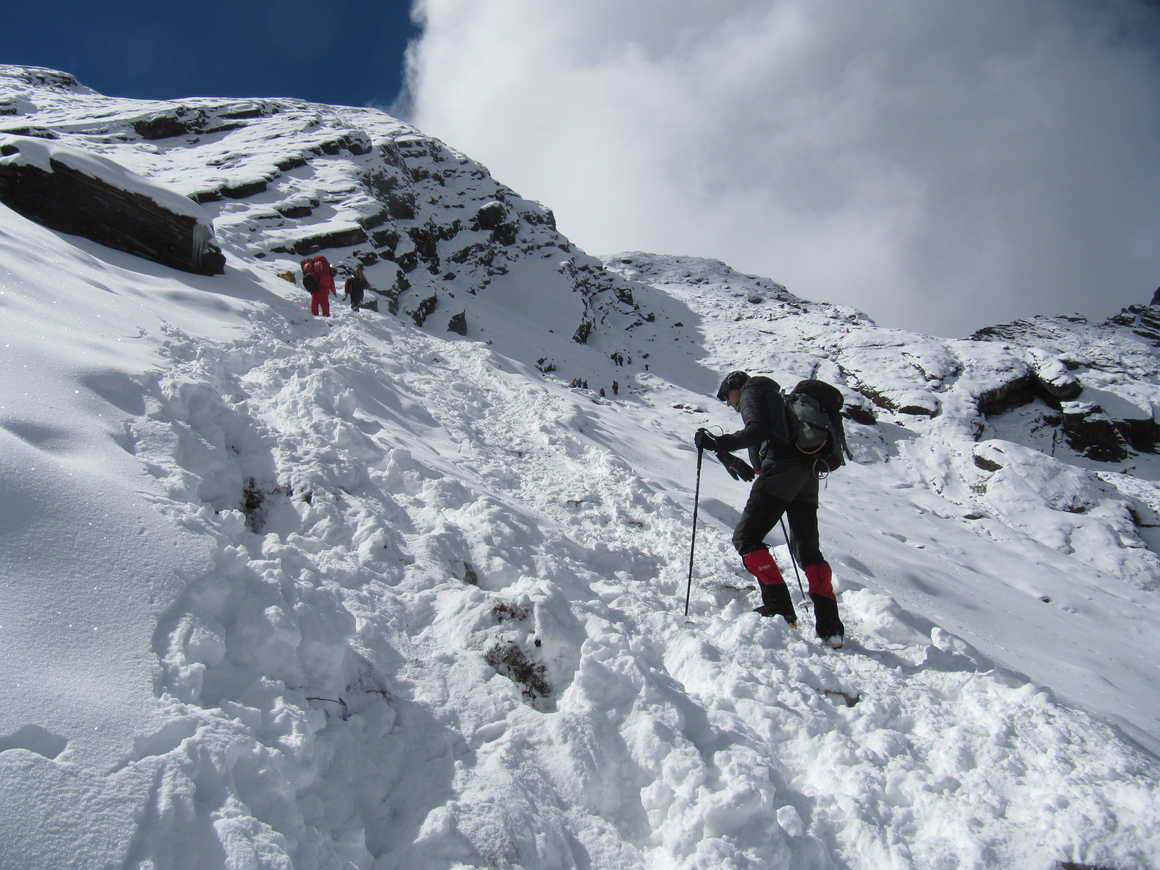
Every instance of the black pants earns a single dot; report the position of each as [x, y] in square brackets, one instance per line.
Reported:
[788, 488]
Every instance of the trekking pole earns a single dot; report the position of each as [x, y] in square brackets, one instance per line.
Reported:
[693, 543]
[793, 559]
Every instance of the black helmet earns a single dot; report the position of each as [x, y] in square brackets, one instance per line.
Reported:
[733, 381]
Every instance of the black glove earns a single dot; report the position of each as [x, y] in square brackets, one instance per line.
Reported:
[704, 440]
[738, 468]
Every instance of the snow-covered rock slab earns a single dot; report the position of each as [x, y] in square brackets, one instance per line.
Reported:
[91, 196]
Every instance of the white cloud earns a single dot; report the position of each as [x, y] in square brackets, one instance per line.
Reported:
[941, 165]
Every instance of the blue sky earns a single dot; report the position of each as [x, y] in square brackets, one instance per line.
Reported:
[343, 51]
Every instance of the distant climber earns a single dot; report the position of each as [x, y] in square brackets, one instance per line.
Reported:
[356, 285]
[787, 483]
[319, 280]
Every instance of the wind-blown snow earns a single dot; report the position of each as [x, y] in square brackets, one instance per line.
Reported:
[286, 592]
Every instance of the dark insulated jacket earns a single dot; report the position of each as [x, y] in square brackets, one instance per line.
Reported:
[763, 413]
[355, 288]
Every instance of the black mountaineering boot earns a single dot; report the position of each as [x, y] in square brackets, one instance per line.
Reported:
[775, 600]
[827, 624]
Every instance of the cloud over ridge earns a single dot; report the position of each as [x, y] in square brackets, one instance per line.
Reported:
[940, 165]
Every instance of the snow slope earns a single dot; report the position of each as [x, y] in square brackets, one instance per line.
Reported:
[286, 592]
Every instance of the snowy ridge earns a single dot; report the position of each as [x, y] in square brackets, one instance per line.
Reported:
[283, 178]
[364, 595]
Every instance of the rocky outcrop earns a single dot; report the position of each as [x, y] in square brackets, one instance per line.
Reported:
[425, 309]
[1025, 389]
[180, 122]
[337, 239]
[1143, 320]
[1089, 431]
[101, 201]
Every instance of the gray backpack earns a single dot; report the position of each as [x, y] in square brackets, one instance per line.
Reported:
[814, 422]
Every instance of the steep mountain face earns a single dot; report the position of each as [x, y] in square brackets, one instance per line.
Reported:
[284, 178]
[285, 592]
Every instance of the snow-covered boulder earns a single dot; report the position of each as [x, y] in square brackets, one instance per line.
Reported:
[87, 195]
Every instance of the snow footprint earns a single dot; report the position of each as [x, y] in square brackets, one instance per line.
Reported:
[34, 738]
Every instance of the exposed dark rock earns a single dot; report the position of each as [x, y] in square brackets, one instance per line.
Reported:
[73, 202]
[877, 398]
[506, 611]
[425, 309]
[338, 239]
[51, 78]
[288, 163]
[401, 286]
[254, 500]
[166, 126]
[356, 142]
[426, 239]
[918, 411]
[247, 188]
[386, 239]
[505, 234]
[375, 220]
[1013, 394]
[1091, 433]
[382, 184]
[206, 196]
[1155, 297]
[490, 216]
[223, 128]
[35, 132]
[986, 464]
[1143, 435]
[245, 114]
[296, 211]
[1059, 389]
[401, 206]
[458, 323]
[582, 332]
[330, 146]
[359, 143]
[408, 262]
[478, 253]
[392, 156]
[1144, 320]
[512, 662]
[860, 414]
[542, 218]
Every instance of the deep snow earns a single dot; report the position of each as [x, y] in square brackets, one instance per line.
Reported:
[325, 680]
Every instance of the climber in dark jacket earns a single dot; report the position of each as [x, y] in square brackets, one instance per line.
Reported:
[356, 285]
[785, 484]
